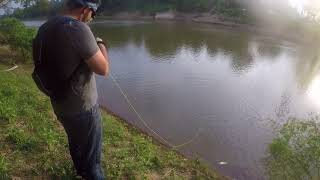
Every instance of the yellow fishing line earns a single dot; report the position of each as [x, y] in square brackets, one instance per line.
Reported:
[124, 94]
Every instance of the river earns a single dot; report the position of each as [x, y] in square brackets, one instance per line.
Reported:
[221, 88]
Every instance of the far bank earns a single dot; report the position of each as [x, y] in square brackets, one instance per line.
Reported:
[294, 31]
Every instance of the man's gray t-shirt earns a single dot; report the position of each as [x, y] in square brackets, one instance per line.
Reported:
[70, 43]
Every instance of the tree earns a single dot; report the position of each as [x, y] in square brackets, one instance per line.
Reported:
[18, 37]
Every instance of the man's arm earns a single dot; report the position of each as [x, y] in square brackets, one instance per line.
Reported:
[85, 45]
[99, 63]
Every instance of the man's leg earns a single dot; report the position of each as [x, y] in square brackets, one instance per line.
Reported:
[85, 142]
[94, 147]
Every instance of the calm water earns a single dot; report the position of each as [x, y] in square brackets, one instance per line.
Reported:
[219, 86]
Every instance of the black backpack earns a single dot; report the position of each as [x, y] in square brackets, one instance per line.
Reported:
[46, 74]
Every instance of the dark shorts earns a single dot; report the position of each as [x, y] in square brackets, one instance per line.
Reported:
[84, 132]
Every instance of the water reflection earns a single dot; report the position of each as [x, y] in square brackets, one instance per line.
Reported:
[183, 78]
[166, 40]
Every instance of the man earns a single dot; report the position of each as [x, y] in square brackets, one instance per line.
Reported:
[66, 55]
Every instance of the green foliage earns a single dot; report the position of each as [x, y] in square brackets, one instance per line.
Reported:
[193, 5]
[41, 8]
[229, 8]
[295, 152]
[153, 6]
[38, 8]
[18, 37]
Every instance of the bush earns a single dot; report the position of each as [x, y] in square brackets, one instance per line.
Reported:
[18, 37]
[295, 152]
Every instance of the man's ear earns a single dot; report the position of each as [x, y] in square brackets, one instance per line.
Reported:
[86, 10]
[83, 10]
[82, 13]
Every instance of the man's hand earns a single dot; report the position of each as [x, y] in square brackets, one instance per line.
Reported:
[103, 47]
[99, 40]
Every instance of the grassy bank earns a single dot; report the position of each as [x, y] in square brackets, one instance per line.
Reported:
[33, 143]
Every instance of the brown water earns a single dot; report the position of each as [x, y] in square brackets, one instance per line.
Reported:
[219, 86]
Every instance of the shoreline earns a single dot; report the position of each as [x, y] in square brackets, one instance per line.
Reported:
[129, 152]
[158, 142]
[277, 31]
[274, 31]
[154, 139]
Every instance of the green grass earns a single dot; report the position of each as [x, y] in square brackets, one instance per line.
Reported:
[34, 144]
